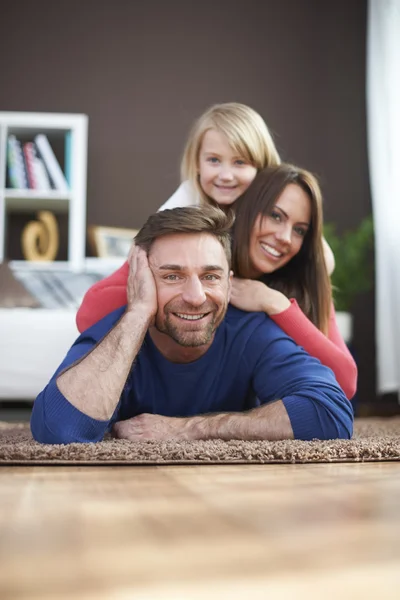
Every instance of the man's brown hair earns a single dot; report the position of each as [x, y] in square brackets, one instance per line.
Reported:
[188, 219]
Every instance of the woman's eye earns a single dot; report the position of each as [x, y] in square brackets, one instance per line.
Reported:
[276, 216]
[240, 162]
[213, 159]
[300, 231]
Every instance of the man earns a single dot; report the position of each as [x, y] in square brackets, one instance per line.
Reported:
[178, 363]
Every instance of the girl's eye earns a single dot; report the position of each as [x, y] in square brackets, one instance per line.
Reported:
[240, 162]
[213, 159]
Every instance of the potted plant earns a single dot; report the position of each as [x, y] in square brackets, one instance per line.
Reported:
[353, 273]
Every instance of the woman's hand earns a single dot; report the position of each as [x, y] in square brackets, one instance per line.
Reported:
[250, 295]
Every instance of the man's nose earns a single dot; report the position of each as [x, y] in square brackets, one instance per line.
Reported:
[194, 293]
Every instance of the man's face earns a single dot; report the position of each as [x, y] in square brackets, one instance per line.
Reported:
[193, 285]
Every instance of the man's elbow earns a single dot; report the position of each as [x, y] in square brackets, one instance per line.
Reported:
[44, 434]
[344, 430]
[339, 425]
[47, 430]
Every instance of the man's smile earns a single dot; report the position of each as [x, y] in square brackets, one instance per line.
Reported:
[191, 317]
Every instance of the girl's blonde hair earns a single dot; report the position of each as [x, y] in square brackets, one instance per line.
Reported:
[246, 131]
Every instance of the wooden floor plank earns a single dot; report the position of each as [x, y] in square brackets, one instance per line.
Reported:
[200, 531]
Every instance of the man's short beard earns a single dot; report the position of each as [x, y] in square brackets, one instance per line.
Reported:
[188, 339]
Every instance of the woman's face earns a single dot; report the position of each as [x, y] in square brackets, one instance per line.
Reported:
[224, 175]
[276, 238]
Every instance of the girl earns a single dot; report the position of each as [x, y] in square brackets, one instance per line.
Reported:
[226, 148]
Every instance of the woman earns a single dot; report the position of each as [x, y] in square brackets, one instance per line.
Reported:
[280, 268]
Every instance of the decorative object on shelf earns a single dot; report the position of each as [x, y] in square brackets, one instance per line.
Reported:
[111, 242]
[40, 240]
[353, 272]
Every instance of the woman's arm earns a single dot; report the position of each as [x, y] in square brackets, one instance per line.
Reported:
[331, 350]
[102, 298]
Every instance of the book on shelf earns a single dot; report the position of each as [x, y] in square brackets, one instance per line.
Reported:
[53, 168]
[37, 175]
[17, 175]
[11, 172]
[28, 152]
[31, 168]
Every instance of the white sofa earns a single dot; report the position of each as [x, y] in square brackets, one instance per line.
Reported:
[33, 342]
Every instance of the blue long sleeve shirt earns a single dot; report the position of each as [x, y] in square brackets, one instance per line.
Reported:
[250, 362]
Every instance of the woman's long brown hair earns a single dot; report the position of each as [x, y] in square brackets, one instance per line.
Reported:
[305, 276]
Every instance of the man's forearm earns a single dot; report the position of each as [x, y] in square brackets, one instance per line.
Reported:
[94, 384]
[267, 422]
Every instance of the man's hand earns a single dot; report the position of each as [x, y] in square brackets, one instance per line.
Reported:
[141, 288]
[152, 427]
[250, 295]
[267, 422]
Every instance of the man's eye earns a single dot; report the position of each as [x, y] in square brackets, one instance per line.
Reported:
[211, 277]
[171, 277]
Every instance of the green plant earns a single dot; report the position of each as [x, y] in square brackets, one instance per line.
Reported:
[353, 272]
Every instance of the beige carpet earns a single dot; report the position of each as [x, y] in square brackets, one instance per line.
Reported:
[374, 440]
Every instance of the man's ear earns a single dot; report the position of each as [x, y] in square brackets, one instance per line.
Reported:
[230, 285]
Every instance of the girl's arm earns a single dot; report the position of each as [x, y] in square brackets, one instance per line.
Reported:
[102, 298]
[331, 350]
[110, 293]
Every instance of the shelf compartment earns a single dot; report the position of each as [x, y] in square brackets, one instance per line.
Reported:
[33, 200]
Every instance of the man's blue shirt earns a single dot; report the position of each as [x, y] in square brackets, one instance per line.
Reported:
[250, 362]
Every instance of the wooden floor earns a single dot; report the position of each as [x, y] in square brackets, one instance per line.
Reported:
[274, 531]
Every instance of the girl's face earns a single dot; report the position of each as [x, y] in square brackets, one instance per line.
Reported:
[224, 175]
[276, 238]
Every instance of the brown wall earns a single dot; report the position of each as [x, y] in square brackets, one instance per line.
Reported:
[142, 71]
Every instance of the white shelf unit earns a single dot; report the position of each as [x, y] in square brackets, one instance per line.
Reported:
[72, 203]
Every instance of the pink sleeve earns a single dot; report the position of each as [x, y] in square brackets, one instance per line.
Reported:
[102, 298]
[331, 350]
